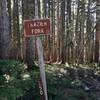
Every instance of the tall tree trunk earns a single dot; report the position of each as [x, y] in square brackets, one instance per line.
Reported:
[29, 13]
[82, 22]
[4, 30]
[16, 33]
[58, 30]
[97, 36]
[76, 32]
[63, 31]
[68, 33]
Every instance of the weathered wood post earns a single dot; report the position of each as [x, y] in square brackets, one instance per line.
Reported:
[37, 28]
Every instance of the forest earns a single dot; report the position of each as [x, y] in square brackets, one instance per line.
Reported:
[70, 56]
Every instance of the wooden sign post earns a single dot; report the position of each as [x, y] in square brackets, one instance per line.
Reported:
[37, 28]
[41, 65]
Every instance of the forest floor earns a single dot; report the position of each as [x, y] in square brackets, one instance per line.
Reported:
[64, 81]
[73, 82]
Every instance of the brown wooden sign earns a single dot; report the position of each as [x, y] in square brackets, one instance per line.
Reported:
[36, 27]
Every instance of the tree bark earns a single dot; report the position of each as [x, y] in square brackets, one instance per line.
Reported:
[97, 36]
[4, 30]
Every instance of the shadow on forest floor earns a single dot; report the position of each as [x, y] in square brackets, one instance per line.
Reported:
[64, 82]
[72, 82]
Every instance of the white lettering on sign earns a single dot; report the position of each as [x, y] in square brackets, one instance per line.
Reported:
[36, 31]
[37, 24]
[45, 24]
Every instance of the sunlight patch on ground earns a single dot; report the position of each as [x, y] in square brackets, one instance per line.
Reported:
[62, 70]
[25, 76]
[7, 77]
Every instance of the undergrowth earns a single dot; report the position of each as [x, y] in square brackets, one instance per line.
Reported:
[64, 82]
